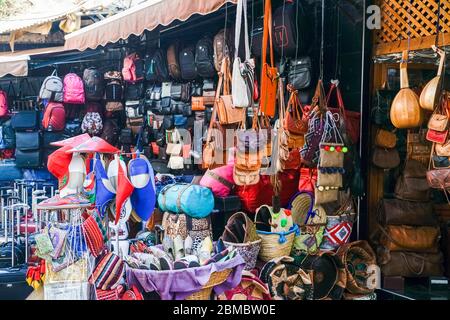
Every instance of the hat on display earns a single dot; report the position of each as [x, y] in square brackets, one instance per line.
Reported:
[94, 144]
[113, 171]
[73, 141]
[104, 192]
[124, 190]
[77, 173]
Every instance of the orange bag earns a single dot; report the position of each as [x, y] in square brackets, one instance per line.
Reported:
[269, 73]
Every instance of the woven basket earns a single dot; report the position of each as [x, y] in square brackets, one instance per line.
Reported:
[215, 279]
[248, 251]
[276, 244]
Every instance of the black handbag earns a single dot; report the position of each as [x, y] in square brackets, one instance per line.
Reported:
[126, 136]
[186, 92]
[165, 106]
[28, 159]
[177, 107]
[168, 122]
[72, 128]
[175, 91]
[299, 75]
[25, 120]
[208, 85]
[161, 138]
[28, 140]
[187, 110]
[50, 137]
[197, 89]
[134, 91]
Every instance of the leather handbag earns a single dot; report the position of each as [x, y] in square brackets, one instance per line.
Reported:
[176, 162]
[412, 185]
[402, 212]
[300, 73]
[385, 158]
[439, 119]
[186, 92]
[349, 120]
[226, 111]
[442, 150]
[175, 91]
[269, 73]
[293, 162]
[245, 177]
[411, 264]
[385, 139]
[28, 140]
[308, 179]
[296, 118]
[437, 178]
[197, 104]
[247, 161]
[25, 120]
[410, 238]
[28, 159]
[437, 136]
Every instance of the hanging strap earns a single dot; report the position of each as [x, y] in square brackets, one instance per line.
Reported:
[241, 9]
[216, 100]
[267, 34]
[294, 106]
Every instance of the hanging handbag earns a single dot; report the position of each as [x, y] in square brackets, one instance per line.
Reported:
[308, 180]
[243, 72]
[269, 73]
[412, 185]
[437, 136]
[438, 178]
[439, 119]
[226, 111]
[410, 238]
[385, 158]
[442, 150]
[349, 120]
[197, 104]
[385, 139]
[296, 118]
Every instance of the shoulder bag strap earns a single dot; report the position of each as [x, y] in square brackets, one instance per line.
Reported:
[267, 33]
[408, 265]
[216, 101]
[241, 9]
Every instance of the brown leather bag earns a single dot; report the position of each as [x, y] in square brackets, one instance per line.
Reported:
[385, 139]
[293, 161]
[438, 178]
[269, 73]
[410, 238]
[172, 60]
[197, 104]
[401, 212]
[439, 119]
[385, 158]
[227, 113]
[247, 161]
[296, 119]
[245, 177]
[412, 185]
[410, 264]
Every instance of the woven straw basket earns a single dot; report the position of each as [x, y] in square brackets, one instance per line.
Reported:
[248, 251]
[215, 279]
[276, 244]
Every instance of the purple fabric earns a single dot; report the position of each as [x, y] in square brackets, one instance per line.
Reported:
[178, 284]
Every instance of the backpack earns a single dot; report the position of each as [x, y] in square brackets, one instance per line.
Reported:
[114, 91]
[286, 23]
[133, 68]
[3, 103]
[94, 107]
[93, 84]
[110, 131]
[187, 63]
[92, 123]
[172, 60]
[52, 88]
[156, 67]
[54, 117]
[222, 47]
[204, 58]
[73, 91]
[7, 135]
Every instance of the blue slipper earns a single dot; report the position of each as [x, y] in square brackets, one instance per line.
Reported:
[143, 198]
[103, 189]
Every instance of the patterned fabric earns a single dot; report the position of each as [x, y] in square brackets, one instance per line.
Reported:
[310, 150]
[174, 224]
[94, 236]
[198, 230]
[108, 272]
[92, 123]
[337, 232]
[109, 294]
[249, 252]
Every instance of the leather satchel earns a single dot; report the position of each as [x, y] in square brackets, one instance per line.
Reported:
[269, 73]
[248, 161]
[412, 185]
[438, 122]
[245, 177]
[410, 238]
[411, 264]
[437, 136]
[228, 114]
[197, 104]
[385, 158]
[385, 139]
[402, 212]
[293, 161]
[442, 150]
[296, 120]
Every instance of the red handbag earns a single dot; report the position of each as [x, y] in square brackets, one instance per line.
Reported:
[437, 136]
[349, 119]
[289, 182]
[254, 196]
[296, 120]
[308, 180]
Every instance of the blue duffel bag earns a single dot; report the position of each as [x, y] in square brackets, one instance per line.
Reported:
[9, 171]
[194, 200]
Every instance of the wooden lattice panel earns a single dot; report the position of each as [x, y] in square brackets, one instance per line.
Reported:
[417, 19]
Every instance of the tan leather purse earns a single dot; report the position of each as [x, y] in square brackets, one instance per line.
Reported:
[385, 139]
[443, 150]
[245, 177]
[197, 104]
[227, 113]
[269, 73]
[248, 161]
